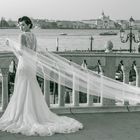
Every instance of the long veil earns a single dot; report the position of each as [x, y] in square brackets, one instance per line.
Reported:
[53, 67]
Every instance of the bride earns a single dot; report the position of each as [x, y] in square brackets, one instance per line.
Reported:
[27, 112]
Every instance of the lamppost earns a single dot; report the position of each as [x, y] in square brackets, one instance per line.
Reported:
[91, 39]
[130, 36]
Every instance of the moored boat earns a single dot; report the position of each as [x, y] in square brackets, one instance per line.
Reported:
[108, 33]
[63, 34]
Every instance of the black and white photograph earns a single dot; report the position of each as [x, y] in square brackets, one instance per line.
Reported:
[69, 70]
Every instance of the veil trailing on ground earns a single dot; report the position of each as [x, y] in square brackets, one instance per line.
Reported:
[66, 73]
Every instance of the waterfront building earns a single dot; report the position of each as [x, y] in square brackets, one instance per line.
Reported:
[64, 24]
[103, 22]
[137, 24]
[72, 25]
[123, 23]
[91, 23]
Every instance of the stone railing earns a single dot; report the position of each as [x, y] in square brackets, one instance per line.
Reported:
[5, 60]
[110, 64]
[105, 63]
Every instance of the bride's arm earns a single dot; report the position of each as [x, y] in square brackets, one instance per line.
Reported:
[22, 41]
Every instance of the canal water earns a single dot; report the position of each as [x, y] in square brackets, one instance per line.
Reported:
[70, 39]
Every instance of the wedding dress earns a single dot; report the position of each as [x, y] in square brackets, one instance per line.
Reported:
[27, 112]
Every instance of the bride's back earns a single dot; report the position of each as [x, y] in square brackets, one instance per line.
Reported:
[30, 41]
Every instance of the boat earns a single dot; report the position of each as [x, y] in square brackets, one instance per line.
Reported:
[63, 34]
[108, 33]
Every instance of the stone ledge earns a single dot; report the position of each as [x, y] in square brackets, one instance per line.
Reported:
[100, 109]
[87, 110]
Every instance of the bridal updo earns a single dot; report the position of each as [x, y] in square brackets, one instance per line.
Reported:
[27, 20]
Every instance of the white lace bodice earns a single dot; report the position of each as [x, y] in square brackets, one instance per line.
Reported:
[29, 40]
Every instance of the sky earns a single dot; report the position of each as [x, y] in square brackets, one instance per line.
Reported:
[70, 9]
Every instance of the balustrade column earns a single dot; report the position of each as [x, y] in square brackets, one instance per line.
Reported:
[109, 71]
[126, 71]
[61, 92]
[75, 97]
[137, 70]
[4, 72]
[47, 91]
[89, 97]
[75, 93]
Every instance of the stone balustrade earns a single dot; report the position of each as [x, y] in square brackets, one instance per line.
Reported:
[107, 63]
[5, 60]
[103, 63]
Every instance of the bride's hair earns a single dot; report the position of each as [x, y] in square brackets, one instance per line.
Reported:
[27, 21]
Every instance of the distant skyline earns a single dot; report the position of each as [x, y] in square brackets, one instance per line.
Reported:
[70, 9]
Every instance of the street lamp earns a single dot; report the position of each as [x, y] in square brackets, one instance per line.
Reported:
[130, 35]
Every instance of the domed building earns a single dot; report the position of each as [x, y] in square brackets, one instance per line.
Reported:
[104, 22]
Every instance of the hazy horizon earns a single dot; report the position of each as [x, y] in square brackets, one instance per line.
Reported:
[70, 9]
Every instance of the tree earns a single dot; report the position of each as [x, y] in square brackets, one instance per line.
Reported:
[11, 23]
[3, 23]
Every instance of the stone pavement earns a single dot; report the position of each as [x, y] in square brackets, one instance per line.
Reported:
[97, 126]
